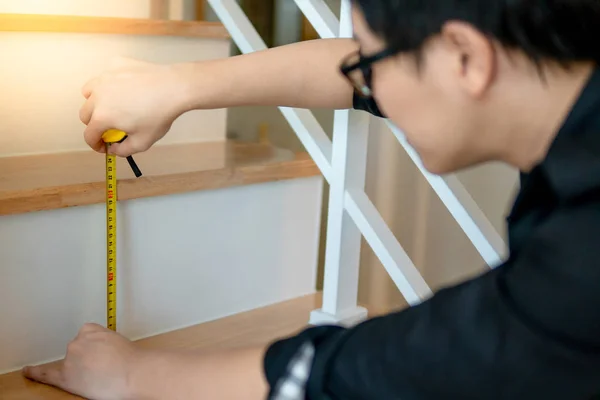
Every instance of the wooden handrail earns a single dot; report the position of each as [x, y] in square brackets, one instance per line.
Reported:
[108, 25]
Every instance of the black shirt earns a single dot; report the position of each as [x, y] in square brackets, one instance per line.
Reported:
[529, 329]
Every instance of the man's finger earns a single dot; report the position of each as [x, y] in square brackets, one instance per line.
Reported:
[86, 111]
[93, 135]
[50, 374]
[88, 88]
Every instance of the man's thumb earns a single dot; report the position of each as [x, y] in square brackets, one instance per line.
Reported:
[50, 374]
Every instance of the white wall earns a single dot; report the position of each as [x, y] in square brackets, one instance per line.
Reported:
[182, 260]
[41, 76]
[104, 8]
[175, 9]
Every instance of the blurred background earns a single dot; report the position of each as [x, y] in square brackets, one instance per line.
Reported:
[417, 217]
[437, 246]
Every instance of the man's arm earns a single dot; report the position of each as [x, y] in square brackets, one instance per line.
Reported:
[145, 99]
[224, 375]
[103, 365]
[303, 75]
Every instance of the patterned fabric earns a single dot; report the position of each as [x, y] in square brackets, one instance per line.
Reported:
[292, 385]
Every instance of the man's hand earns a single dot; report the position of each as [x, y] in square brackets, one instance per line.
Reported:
[144, 99]
[99, 365]
[139, 98]
[102, 365]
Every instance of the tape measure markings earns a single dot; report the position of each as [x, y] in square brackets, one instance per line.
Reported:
[111, 240]
[109, 137]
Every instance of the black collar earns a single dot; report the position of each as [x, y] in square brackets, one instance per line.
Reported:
[572, 165]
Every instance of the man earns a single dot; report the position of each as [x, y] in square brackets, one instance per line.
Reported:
[468, 81]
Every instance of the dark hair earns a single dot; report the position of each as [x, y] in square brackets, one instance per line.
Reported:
[559, 30]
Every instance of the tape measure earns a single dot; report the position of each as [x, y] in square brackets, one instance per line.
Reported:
[109, 137]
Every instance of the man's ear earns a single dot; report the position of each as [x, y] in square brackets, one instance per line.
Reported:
[473, 55]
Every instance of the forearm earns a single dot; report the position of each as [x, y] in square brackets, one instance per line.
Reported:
[303, 75]
[223, 375]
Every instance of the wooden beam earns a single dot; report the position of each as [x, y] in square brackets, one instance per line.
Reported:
[308, 31]
[159, 9]
[200, 10]
[104, 25]
[261, 13]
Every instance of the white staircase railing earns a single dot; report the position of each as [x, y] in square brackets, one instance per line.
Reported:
[343, 164]
[303, 122]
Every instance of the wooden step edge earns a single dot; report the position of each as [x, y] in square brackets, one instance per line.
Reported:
[109, 25]
[53, 181]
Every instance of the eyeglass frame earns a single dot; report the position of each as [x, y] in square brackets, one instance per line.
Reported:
[365, 65]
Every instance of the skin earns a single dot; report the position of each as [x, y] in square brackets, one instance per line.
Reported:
[145, 99]
[453, 110]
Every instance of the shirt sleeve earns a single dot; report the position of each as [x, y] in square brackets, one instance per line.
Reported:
[366, 104]
[529, 329]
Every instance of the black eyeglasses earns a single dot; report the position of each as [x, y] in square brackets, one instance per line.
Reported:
[358, 70]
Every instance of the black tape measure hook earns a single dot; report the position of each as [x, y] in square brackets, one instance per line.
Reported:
[136, 170]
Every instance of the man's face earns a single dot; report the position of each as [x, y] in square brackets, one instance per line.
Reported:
[441, 115]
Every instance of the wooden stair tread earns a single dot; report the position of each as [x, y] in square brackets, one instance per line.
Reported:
[256, 327]
[51, 181]
[110, 25]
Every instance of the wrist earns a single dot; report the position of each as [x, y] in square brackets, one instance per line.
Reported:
[190, 86]
[146, 377]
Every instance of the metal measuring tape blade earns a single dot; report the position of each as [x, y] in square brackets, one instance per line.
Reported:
[109, 137]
